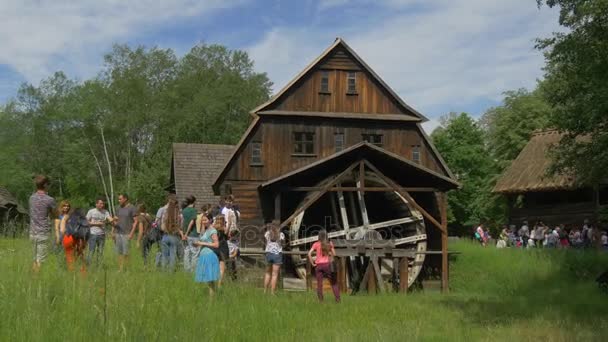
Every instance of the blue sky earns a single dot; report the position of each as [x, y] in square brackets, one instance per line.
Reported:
[438, 55]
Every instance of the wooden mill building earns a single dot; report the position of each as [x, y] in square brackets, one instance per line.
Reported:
[534, 195]
[337, 148]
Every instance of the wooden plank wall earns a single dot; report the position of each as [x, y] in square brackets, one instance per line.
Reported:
[276, 136]
[370, 97]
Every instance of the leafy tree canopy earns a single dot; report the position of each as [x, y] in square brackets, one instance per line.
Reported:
[576, 86]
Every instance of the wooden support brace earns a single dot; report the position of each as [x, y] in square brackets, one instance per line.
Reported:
[318, 194]
[377, 273]
[364, 285]
[405, 195]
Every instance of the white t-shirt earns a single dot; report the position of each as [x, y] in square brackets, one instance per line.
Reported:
[96, 215]
[274, 247]
[604, 240]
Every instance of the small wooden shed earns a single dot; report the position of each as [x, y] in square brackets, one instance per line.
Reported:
[10, 209]
[193, 169]
[534, 195]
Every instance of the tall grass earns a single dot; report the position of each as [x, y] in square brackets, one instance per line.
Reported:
[495, 295]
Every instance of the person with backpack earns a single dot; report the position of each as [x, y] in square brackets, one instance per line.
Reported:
[147, 234]
[274, 256]
[191, 251]
[76, 231]
[208, 265]
[324, 254]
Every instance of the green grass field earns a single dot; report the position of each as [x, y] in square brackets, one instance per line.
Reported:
[496, 295]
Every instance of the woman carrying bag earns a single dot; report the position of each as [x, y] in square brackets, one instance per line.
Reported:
[324, 251]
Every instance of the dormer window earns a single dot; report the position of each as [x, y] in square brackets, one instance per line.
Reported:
[324, 82]
[351, 82]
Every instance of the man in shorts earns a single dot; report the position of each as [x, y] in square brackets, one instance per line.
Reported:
[98, 218]
[123, 229]
[41, 211]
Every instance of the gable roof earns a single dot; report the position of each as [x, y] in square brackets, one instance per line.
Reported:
[194, 168]
[339, 42]
[528, 172]
[394, 165]
[259, 111]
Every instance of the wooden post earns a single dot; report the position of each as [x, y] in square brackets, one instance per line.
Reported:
[308, 276]
[443, 208]
[341, 261]
[277, 206]
[403, 275]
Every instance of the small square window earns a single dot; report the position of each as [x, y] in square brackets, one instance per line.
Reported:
[351, 81]
[339, 141]
[324, 82]
[303, 143]
[256, 153]
[416, 153]
[375, 139]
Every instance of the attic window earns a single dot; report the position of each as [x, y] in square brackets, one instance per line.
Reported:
[339, 141]
[375, 139]
[351, 81]
[416, 153]
[324, 82]
[256, 153]
[303, 143]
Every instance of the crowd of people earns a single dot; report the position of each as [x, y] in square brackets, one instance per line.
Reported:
[203, 239]
[542, 236]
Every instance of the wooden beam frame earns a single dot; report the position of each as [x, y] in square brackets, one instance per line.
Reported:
[396, 187]
[343, 214]
[372, 226]
[318, 195]
[353, 188]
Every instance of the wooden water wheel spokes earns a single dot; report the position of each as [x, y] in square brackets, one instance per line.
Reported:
[358, 215]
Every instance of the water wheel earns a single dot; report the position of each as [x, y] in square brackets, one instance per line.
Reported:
[354, 215]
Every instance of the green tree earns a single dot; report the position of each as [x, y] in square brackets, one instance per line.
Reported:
[141, 102]
[509, 126]
[461, 142]
[576, 85]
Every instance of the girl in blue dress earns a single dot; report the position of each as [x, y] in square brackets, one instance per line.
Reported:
[208, 266]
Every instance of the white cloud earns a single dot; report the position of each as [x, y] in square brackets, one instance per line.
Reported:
[446, 56]
[39, 37]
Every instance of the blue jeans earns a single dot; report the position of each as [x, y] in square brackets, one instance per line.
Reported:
[96, 246]
[168, 246]
[191, 254]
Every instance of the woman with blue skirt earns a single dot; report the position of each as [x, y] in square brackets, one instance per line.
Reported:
[208, 267]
